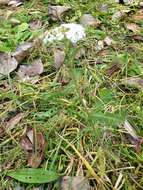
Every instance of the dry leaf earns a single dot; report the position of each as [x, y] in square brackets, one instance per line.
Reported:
[88, 20]
[130, 130]
[14, 21]
[132, 27]
[15, 3]
[26, 144]
[133, 81]
[56, 12]
[120, 14]
[80, 53]
[4, 2]
[75, 183]
[137, 37]
[59, 56]
[113, 69]
[30, 135]
[30, 73]
[13, 121]
[132, 136]
[22, 51]
[108, 41]
[36, 157]
[7, 64]
[138, 16]
[34, 145]
[35, 25]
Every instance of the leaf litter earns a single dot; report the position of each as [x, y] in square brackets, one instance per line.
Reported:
[30, 73]
[64, 89]
[33, 143]
[56, 12]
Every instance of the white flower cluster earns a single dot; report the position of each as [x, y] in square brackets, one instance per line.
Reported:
[73, 32]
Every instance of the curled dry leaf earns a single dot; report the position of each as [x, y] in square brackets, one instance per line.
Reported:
[120, 14]
[138, 16]
[132, 27]
[26, 144]
[132, 136]
[59, 57]
[113, 69]
[36, 157]
[133, 81]
[56, 12]
[15, 3]
[14, 121]
[88, 20]
[30, 73]
[35, 24]
[7, 64]
[22, 51]
[75, 183]
[34, 145]
[137, 37]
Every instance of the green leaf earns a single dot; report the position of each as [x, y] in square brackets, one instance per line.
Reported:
[22, 27]
[31, 175]
[106, 118]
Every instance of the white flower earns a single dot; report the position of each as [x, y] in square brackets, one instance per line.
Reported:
[73, 32]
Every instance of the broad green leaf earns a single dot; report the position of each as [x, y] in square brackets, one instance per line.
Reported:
[106, 118]
[30, 175]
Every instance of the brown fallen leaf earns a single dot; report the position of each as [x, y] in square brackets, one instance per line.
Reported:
[120, 14]
[14, 121]
[30, 135]
[137, 38]
[113, 69]
[138, 16]
[35, 24]
[132, 137]
[26, 144]
[4, 2]
[133, 81]
[34, 145]
[7, 64]
[30, 73]
[22, 51]
[56, 12]
[59, 57]
[88, 20]
[36, 157]
[75, 183]
[132, 27]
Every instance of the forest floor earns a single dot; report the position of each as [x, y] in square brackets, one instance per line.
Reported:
[82, 114]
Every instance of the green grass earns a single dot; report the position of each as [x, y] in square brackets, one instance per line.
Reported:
[87, 112]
